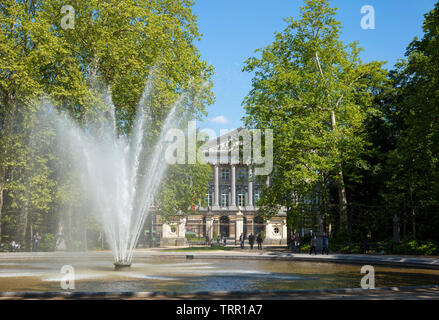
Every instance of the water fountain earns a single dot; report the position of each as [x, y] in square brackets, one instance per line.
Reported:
[119, 173]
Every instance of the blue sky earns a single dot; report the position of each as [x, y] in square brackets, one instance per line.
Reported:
[233, 29]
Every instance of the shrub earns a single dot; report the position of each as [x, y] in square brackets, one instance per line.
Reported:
[194, 237]
[416, 247]
[421, 247]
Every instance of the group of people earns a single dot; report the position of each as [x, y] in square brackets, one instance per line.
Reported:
[16, 246]
[222, 239]
[294, 243]
[325, 244]
[251, 240]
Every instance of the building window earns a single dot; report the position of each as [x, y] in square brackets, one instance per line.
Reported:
[225, 174]
[241, 199]
[242, 174]
[208, 198]
[276, 230]
[224, 199]
[257, 196]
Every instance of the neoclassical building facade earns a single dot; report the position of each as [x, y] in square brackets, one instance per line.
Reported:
[231, 204]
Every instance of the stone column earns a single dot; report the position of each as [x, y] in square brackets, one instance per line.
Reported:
[250, 187]
[216, 187]
[232, 229]
[217, 229]
[239, 226]
[233, 187]
[209, 227]
[284, 232]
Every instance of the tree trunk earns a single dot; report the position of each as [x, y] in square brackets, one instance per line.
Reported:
[24, 214]
[28, 236]
[343, 202]
[325, 203]
[6, 123]
[405, 235]
[395, 228]
[2, 187]
[342, 199]
[31, 234]
[414, 224]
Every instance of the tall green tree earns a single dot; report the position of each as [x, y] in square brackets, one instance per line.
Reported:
[414, 183]
[118, 43]
[315, 93]
[27, 50]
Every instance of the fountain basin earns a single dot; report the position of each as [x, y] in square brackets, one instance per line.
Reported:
[31, 272]
[118, 265]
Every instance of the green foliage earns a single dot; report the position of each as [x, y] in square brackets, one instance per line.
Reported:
[315, 93]
[182, 189]
[116, 43]
[426, 248]
[194, 237]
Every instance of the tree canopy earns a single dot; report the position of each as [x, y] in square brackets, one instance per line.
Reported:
[314, 91]
[116, 43]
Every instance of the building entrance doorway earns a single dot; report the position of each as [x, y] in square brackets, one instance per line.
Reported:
[224, 226]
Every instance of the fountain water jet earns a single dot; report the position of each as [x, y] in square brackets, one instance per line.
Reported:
[119, 174]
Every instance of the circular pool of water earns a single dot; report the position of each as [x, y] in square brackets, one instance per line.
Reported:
[180, 275]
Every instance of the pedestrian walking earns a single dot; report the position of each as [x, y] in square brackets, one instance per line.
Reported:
[251, 240]
[293, 242]
[259, 241]
[325, 248]
[241, 240]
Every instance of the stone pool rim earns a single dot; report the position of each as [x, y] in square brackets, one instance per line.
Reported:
[242, 295]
